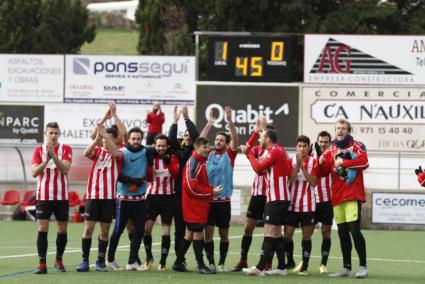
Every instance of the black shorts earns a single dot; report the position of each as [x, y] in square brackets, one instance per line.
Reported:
[256, 207]
[295, 219]
[195, 227]
[324, 213]
[275, 212]
[219, 214]
[100, 210]
[162, 205]
[45, 208]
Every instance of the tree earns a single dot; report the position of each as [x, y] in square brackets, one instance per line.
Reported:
[18, 22]
[43, 26]
[164, 28]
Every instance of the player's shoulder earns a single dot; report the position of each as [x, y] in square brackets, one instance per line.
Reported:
[38, 148]
[360, 145]
[66, 147]
[278, 149]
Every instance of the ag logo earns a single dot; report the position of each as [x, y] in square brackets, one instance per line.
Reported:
[337, 57]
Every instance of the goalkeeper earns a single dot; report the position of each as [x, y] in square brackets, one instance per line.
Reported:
[345, 160]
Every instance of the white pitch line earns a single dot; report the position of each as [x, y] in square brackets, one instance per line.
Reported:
[230, 237]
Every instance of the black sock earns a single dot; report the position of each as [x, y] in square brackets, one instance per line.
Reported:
[209, 251]
[86, 245]
[245, 245]
[184, 246]
[269, 246]
[178, 240]
[135, 247]
[280, 253]
[113, 244]
[359, 241]
[306, 252]
[147, 242]
[345, 242]
[224, 248]
[165, 247]
[130, 236]
[102, 246]
[42, 246]
[289, 249]
[198, 247]
[61, 240]
[326, 248]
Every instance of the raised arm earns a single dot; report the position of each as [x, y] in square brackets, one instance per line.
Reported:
[234, 139]
[172, 133]
[111, 146]
[258, 166]
[122, 131]
[190, 126]
[206, 130]
[88, 152]
[108, 115]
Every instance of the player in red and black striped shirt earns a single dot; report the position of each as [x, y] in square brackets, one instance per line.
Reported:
[324, 210]
[162, 171]
[100, 203]
[258, 198]
[51, 163]
[278, 198]
[304, 171]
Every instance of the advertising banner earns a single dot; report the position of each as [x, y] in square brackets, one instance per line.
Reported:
[31, 78]
[130, 79]
[77, 121]
[21, 124]
[383, 118]
[279, 104]
[364, 59]
[398, 208]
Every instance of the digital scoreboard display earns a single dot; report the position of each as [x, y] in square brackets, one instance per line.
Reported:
[249, 58]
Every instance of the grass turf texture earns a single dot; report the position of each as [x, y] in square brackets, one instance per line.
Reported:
[112, 41]
[393, 257]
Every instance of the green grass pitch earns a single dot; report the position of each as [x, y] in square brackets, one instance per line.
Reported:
[393, 257]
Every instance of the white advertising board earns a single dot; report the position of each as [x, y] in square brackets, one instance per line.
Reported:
[364, 59]
[398, 208]
[76, 121]
[130, 79]
[31, 78]
[383, 118]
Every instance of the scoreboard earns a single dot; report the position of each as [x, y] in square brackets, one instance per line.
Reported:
[249, 58]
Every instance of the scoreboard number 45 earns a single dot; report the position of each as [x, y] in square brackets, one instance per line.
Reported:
[254, 64]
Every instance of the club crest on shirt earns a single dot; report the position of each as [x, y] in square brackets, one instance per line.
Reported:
[161, 173]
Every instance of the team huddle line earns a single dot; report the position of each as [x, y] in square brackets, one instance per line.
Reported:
[191, 182]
